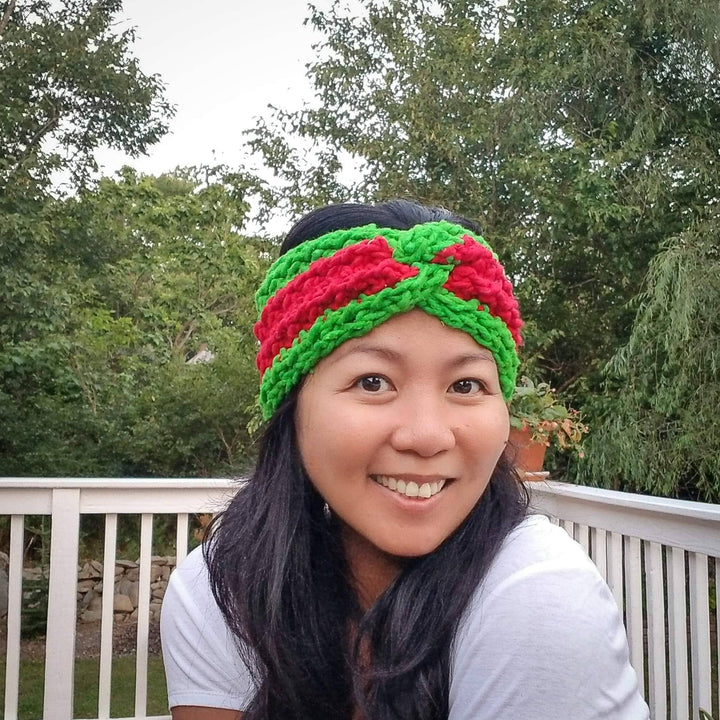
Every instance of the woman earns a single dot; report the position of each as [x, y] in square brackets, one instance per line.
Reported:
[380, 562]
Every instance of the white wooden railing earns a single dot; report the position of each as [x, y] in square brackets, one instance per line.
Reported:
[65, 500]
[660, 558]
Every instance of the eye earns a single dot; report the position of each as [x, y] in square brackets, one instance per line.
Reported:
[373, 383]
[467, 386]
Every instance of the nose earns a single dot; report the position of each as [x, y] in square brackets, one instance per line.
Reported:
[423, 428]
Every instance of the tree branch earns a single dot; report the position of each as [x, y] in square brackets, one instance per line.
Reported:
[40, 134]
[95, 7]
[184, 334]
[51, 123]
[6, 17]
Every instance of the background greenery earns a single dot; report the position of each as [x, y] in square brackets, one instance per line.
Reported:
[583, 134]
[106, 289]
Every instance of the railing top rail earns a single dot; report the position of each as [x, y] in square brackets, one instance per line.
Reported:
[676, 523]
[645, 503]
[44, 483]
[595, 496]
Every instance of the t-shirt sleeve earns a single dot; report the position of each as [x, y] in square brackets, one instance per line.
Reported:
[202, 663]
[547, 643]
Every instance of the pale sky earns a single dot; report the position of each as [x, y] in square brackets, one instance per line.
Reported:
[223, 62]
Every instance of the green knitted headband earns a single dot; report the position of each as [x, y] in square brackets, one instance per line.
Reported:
[343, 284]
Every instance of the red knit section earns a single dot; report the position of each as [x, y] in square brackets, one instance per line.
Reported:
[480, 276]
[328, 284]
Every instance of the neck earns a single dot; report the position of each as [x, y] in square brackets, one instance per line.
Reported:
[372, 569]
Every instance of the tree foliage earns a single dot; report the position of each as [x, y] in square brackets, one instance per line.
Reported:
[68, 84]
[660, 430]
[109, 392]
[581, 134]
[106, 289]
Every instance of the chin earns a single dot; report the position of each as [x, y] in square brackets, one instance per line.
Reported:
[409, 550]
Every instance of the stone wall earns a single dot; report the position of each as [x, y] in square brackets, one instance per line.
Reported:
[90, 587]
[127, 584]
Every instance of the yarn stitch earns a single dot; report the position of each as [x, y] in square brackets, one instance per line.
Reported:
[345, 283]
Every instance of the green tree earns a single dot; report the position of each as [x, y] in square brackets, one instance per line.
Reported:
[105, 289]
[115, 396]
[189, 279]
[68, 84]
[660, 431]
[582, 134]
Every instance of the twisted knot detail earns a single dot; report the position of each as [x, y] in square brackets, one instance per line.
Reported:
[478, 274]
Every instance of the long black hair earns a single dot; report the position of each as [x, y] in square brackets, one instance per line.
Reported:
[280, 577]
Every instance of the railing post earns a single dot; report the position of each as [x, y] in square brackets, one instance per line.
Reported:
[677, 635]
[62, 604]
[633, 608]
[106, 632]
[141, 660]
[700, 633]
[655, 604]
[615, 569]
[12, 667]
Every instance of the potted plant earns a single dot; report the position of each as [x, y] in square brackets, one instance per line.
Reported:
[538, 419]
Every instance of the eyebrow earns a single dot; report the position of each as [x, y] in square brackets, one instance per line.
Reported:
[481, 355]
[350, 348]
[459, 361]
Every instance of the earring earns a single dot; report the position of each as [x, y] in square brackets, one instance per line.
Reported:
[326, 511]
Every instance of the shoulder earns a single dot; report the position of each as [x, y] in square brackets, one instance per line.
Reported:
[202, 662]
[533, 546]
[189, 595]
[543, 613]
[191, 575]
[540, 573]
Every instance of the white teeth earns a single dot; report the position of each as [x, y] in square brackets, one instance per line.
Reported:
[409, 489]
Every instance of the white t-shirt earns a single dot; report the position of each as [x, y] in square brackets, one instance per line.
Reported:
[542, 639]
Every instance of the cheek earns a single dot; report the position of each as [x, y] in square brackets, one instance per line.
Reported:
[490, 425]
[487, 438]
[329, 438]
[504, 427]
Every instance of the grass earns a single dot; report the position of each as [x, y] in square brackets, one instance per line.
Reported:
[122, 703]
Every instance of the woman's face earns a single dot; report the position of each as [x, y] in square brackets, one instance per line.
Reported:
[400, 430]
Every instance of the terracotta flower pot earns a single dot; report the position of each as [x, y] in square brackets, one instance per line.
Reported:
[529, 455]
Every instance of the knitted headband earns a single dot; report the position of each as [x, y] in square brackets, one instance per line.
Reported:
[342, 285]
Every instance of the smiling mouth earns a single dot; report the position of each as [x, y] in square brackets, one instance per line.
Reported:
[409, 489]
